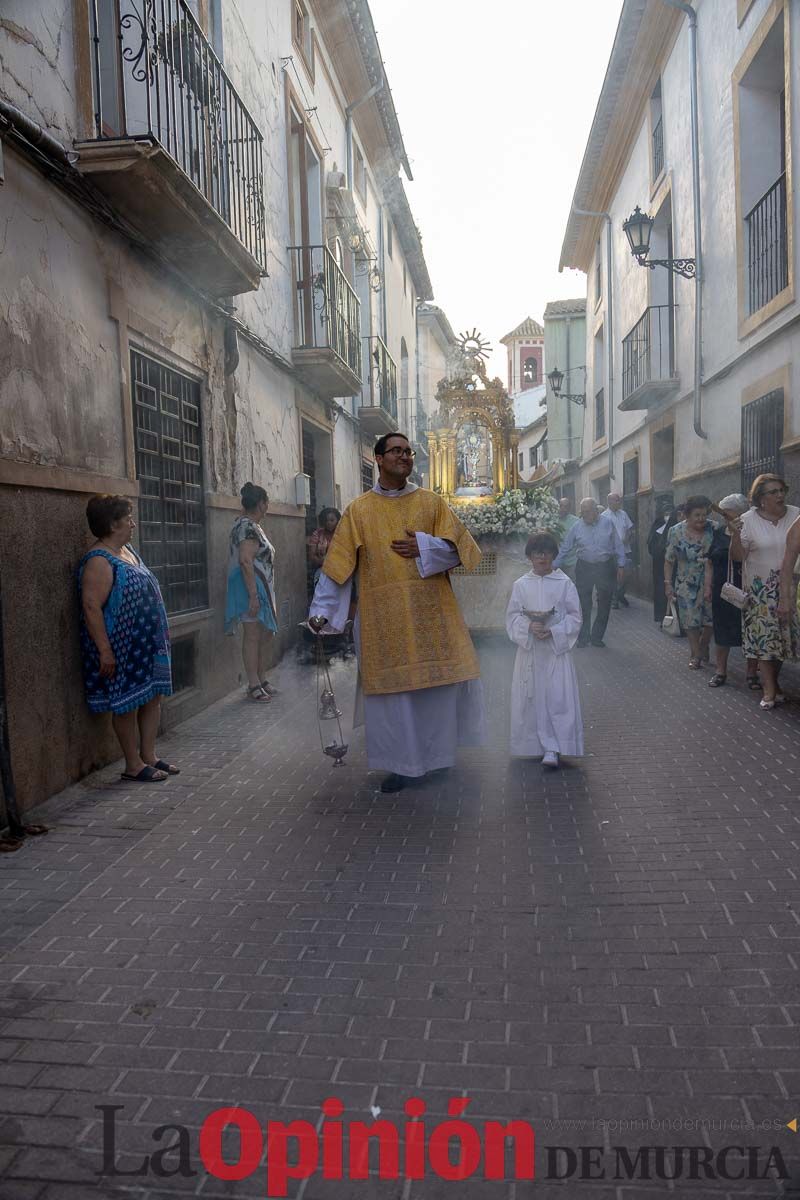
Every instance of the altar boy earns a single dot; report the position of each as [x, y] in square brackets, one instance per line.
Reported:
[544, 619]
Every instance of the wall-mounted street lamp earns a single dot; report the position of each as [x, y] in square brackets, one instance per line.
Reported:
[556, 379]
[638, 228]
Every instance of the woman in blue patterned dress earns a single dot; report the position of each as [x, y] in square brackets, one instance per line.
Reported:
[124, 638]
[251, 590]
[688, 545]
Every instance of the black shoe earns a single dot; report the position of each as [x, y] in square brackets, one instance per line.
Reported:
[625, 603]
[600, 645]
[396, 783]
[581, 643]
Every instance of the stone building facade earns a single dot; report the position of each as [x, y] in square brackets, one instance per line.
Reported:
[648, 430]
[209, 274]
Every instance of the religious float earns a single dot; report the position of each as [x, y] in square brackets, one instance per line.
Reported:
[473, 463]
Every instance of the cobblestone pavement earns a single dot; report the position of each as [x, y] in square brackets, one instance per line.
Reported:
[618, 942]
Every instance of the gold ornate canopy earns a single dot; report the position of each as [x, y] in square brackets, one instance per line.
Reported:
[468, 397]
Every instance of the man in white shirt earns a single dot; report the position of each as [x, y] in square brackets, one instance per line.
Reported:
[616, 514]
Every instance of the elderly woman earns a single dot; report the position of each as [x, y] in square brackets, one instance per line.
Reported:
[124, 638]
[251, 590]
[665, 519]
[687, 546]
[727, 619]
[759, 543]
[318, 542]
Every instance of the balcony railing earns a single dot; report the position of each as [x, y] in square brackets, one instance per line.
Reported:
[380, 386]
[658, 148]
[327, 311]
[157, 79]
[767, 246]
[647, 351]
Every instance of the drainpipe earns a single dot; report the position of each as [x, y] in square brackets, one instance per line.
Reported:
[569, 402]
[34, 134]
[348, 112]
[698, 245]
[585, 212]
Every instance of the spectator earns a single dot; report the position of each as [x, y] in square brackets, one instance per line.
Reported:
[688, 544]
[251, 590]
[318, 542]
[600, 563]
[124, 638]
[759, 543]
[789, 605]
[726, 618]
[666, 517]
[616, 514]
[566, 519]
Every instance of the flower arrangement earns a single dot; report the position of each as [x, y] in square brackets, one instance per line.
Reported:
[511, 514]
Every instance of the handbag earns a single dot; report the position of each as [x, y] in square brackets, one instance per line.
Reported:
[738, 597]
[671, 623]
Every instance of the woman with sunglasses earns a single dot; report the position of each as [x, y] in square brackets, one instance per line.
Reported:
[758, 541]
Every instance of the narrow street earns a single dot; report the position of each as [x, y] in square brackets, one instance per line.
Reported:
[615, 942]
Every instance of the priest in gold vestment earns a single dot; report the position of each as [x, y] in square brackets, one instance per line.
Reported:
[419, 670]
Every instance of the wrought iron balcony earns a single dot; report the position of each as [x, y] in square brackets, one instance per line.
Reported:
[378, 412]
[658, 148]
[648, 359]
[767, 246]
[327, 350]
[175, 150]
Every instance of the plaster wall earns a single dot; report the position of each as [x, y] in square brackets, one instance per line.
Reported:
[565, 347]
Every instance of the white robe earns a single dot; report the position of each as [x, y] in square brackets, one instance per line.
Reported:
[545, 705]
[410, 733]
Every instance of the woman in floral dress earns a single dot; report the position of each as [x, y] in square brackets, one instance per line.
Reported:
[687, 547]
[759, 542]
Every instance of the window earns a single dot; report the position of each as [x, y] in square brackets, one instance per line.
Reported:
[389, 239]
[521, 460]
[656, 134]
[367, 475]
[169, 466]
[598, 274]
[599, 390]
[763, 203]
[543, 454]
[301, 34]
[530, 371]
[532, 457]
[360, 179]
[762, 434]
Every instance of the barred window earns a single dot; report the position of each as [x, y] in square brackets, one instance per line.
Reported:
[169, 466]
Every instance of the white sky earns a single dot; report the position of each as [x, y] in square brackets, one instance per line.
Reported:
[495, 102]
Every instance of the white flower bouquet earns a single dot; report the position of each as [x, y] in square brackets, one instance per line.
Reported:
[511, 514]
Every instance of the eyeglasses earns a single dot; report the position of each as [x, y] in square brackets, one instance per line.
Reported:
[401, 452]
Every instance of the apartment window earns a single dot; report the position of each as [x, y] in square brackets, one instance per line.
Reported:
[762, 434]
[530, 371]
[532, 457]
[521, 460]
[656, 133]
[389, 239]
[763, 201]
[301, 33]
[169, 466]
[367, 475]
[360, 174]
[599, 393]
[598, 274]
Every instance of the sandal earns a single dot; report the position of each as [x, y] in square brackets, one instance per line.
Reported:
[767, 704]
[717, 680]
[257, 694]
[146, 775]
[268, 688]
[165, 766]
[754, 683]
[695, 664]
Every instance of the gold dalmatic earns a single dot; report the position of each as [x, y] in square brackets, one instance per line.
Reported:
[412, 632]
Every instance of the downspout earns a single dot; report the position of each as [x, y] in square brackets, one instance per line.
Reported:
[585, 212]
[698, 245]
[569, 402]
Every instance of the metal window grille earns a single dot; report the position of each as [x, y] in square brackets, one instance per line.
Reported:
[762, 434]
[658, 148]
[600, 414]
[169, 466]
[767, 246]
[367, 476]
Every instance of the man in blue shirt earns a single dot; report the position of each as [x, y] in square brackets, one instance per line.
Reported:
[600, 566]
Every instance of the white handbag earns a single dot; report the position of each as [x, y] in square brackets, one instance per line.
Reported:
[671, 623]
[738, 597]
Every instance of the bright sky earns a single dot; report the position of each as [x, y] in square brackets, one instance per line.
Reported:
[495, 101]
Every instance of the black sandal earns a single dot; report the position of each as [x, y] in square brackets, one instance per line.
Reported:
[146, 775]
[717, 680]
[167, 767]
[754, 683]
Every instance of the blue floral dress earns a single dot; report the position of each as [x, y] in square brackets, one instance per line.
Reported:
[689, 557]
[136, 624]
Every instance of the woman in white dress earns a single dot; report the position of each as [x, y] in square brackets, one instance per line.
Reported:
[544, 620]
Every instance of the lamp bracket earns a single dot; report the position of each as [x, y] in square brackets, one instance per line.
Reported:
[687, 267]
